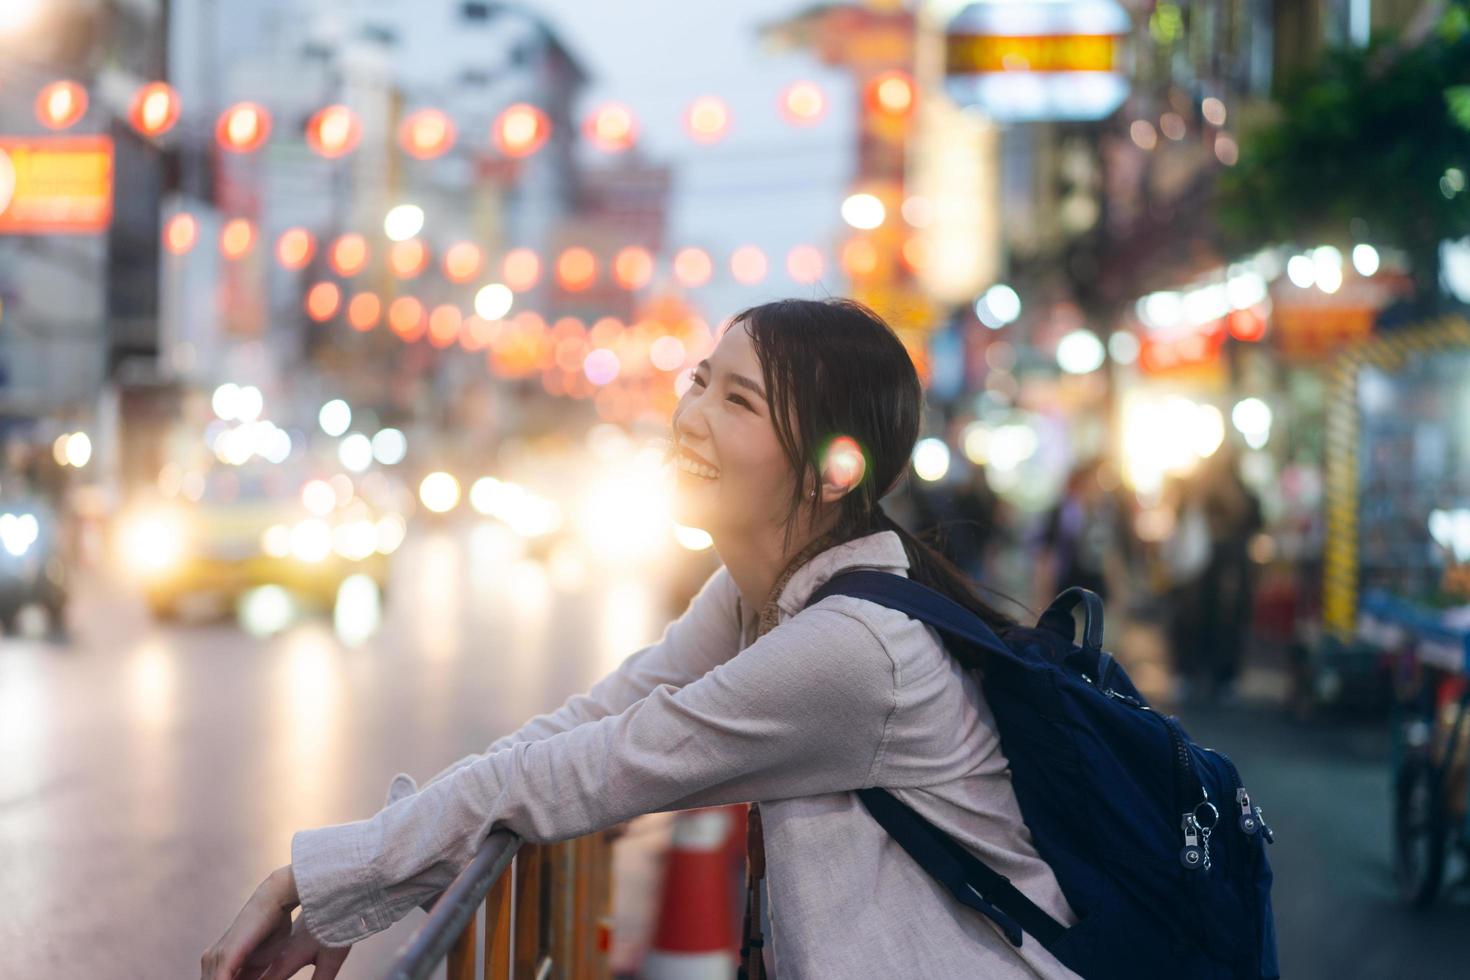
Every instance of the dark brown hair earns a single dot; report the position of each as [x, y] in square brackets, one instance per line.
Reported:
[834, 368]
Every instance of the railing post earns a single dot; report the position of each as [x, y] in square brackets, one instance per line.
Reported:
[562, 884]
[497, 929]
[530, 866]
[461, 962]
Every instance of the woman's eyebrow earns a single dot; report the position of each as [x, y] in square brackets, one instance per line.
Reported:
[736, 379]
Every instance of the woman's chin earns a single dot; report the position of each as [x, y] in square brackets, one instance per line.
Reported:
[693, 506]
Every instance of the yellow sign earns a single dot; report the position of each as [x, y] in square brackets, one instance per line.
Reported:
[55, 184]
[966, 53]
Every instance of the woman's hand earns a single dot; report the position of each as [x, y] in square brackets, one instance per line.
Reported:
[264, 944]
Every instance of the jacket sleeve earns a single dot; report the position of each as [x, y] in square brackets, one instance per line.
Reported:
[706, 635]
[802, 711]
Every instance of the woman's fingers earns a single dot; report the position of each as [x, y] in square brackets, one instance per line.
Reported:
[261, 957]
[258, 922]
[302, 950]
[328, 962]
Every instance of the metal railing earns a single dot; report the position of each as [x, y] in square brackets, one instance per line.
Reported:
[546, 915]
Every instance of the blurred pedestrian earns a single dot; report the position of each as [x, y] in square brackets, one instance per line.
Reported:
[1084, 541]
[748, 696]
[1212, 575]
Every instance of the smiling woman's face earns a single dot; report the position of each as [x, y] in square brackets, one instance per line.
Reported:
[732, 476]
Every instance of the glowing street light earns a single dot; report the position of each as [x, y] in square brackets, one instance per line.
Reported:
[426, 134]
[462, 261]
[61, 104]
[334, 418]
[748, 264]
[692, 266]
[863, 211]
[243, 127]
[633, 267]
[999, 306]
[707, 119]
[348, 255]
[890, 93]
[180, 233]
[295, 248]
[931, 459]
[611, 128]
[521, 130]
[1080, 352]
[403, 222]
[802, 103]
[439, 492]
[493, 301]
[154, 109]
[16, 16]
[333, 131]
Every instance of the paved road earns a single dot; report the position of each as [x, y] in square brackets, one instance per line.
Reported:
[1325, 790]
[149, 776]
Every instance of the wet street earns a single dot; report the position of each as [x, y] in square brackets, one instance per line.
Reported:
[152, 774]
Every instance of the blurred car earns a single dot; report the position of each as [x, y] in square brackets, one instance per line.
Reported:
[33, 567]
[251, 527]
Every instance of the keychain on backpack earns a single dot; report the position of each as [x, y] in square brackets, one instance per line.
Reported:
[1196, 851]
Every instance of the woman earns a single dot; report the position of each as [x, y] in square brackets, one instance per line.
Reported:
[746, 697]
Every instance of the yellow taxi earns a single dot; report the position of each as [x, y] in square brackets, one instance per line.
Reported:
[232, 529]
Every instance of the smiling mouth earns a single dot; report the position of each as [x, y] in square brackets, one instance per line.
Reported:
[703, 472]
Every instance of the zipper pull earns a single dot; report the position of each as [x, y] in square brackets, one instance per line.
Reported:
[1249, 822]
[1265, 828]
[1191, 855]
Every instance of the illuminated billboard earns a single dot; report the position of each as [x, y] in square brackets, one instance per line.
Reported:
[55, 185]
[1038, 60]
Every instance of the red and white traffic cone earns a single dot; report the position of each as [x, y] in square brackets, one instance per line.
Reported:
[695, 937]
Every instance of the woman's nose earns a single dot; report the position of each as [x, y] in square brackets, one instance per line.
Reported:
[689, 418]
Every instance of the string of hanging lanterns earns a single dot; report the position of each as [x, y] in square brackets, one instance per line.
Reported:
[625, 368]
[519, 130]
[575, 269]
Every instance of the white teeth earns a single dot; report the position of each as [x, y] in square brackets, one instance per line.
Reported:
[698, 469]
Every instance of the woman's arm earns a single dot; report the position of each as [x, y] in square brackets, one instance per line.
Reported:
[705, 636]
[802, 711]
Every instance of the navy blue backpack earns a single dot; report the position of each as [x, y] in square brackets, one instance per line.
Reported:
[1153, 839]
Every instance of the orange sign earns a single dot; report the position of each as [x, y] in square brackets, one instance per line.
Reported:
[51, 185]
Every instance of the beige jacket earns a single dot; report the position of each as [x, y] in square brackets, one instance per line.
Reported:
[844, 695]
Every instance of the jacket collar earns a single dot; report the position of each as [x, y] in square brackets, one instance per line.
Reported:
[881, 550]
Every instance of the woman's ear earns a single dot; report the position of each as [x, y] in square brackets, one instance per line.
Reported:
[842, 474]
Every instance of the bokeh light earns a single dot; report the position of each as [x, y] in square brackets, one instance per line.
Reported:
[633, 267]
[707, 119]
[748, 265]
[520, 269]
[243, 127]
[426, 134]
[154, 109]
[61, 105]
[802, 103]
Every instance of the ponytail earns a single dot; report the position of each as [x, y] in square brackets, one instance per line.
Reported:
[929, 567]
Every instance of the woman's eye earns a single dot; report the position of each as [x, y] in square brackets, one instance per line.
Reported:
[694, 378]
[737, 399]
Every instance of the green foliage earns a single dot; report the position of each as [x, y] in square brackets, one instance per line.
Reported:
[1370, 134]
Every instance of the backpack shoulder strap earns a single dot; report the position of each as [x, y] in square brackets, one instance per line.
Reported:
[971, 881]
[918, 601]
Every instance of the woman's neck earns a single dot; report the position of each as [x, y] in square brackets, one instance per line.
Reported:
[756, 562]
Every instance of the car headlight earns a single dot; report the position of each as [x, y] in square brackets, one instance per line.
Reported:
[18, 532]
[153, 542]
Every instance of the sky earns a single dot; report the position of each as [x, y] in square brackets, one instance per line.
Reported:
[768, 183]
